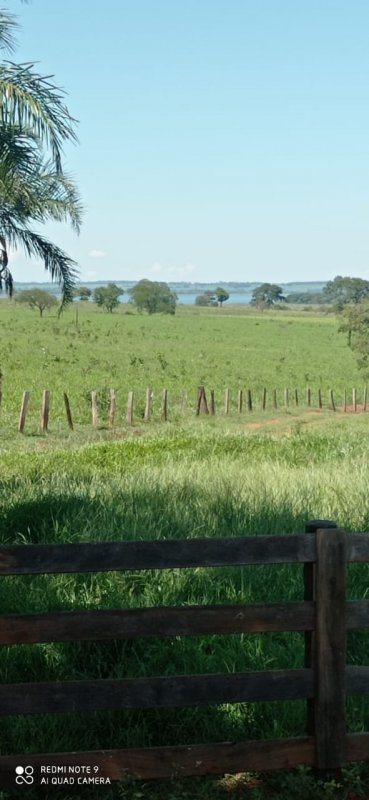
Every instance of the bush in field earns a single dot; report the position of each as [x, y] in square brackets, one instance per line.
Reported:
[82, 293]
[37, 298]
[206, 299]
[107, 296]
[266, 295]
[153, 297]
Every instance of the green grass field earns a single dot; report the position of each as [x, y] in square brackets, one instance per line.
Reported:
[188, 478]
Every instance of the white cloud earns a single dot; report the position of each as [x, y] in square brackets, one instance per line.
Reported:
[97, 254]
[173, 272]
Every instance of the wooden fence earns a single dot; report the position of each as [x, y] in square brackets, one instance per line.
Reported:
[254, 401]
[324, 616]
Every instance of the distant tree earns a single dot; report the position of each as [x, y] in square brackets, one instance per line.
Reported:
[267, 294]
[153, 297]
[354, 321]
[206, 299]
[343, 291]
[36, 298]
[82, 292]
[221, 295]
[306, 298]
[107, 296]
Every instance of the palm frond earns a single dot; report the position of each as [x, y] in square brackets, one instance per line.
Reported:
[8, 25]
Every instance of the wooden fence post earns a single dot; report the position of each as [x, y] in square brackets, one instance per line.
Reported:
[286, 398]
[320, 404]
[23, 412]
[113, 407]
[240, 401]
[202, 403]
[354, 401]
[330, 649]
[130, 408]
[345, 401]
[332, 399]
[308, 396]
[148, 404]
[68, 411]
[95, 416]
[264, 397]
[309, 595]
[365, 398]
[249, 400]
[274, 398]
[164, 406]
[45, 408]
[296, 397]
[212, 402]
[226, 401]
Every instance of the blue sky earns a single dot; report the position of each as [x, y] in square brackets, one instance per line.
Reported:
[219, 139]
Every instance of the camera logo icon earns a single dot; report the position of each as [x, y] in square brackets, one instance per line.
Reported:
[24, 775]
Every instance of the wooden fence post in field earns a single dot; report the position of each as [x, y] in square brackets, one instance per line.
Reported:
[130, 408]
[365, 398]
[309, 595]
[95, 416]
[212, 402]
[320, 404]
[354, 402]
[164, 406]
[296, 397]
[332, 399]
[202, 403]
[23, 412]
[68, 411]
[345, 401]
[113, 407]
[275, 398]
[148, 404]
[226, 401]
[249, 400]
[286, 398]
[184, 402]
[308, 397]
[264, 398]
[240, 401]
[45, 411]
[330, 648]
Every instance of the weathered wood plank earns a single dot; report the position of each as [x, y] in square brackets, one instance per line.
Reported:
[330, 648]
[45, 408]
[179, 761]
[357, 614]
[32, 559]
[357, 680]
[134, 623]
[59, 697]
[358, 547]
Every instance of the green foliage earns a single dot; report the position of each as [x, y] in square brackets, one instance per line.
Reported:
[307, 298]
[342, 291]
[153, 297]
[83, 293]
[108, 296]
[221, 295]
[34, 124]
[206, 299]
[354, 320]
[36, 298]
[266, 295]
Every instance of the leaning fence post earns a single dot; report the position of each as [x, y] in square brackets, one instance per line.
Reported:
[309, 595]
[23, 412]
[330, 649]
[202, 403]
[95, 416]
[68, 411]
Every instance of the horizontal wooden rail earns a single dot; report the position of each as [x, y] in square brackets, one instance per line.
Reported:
[182, 760]
[30, 559]
[58, 697]
[70, 626]
[76, 626]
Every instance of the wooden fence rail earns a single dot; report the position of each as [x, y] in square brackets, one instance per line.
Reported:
[325, 615]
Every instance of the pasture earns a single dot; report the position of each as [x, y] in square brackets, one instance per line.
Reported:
[187, 478]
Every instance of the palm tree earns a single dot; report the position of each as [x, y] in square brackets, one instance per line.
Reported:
[34, 124]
